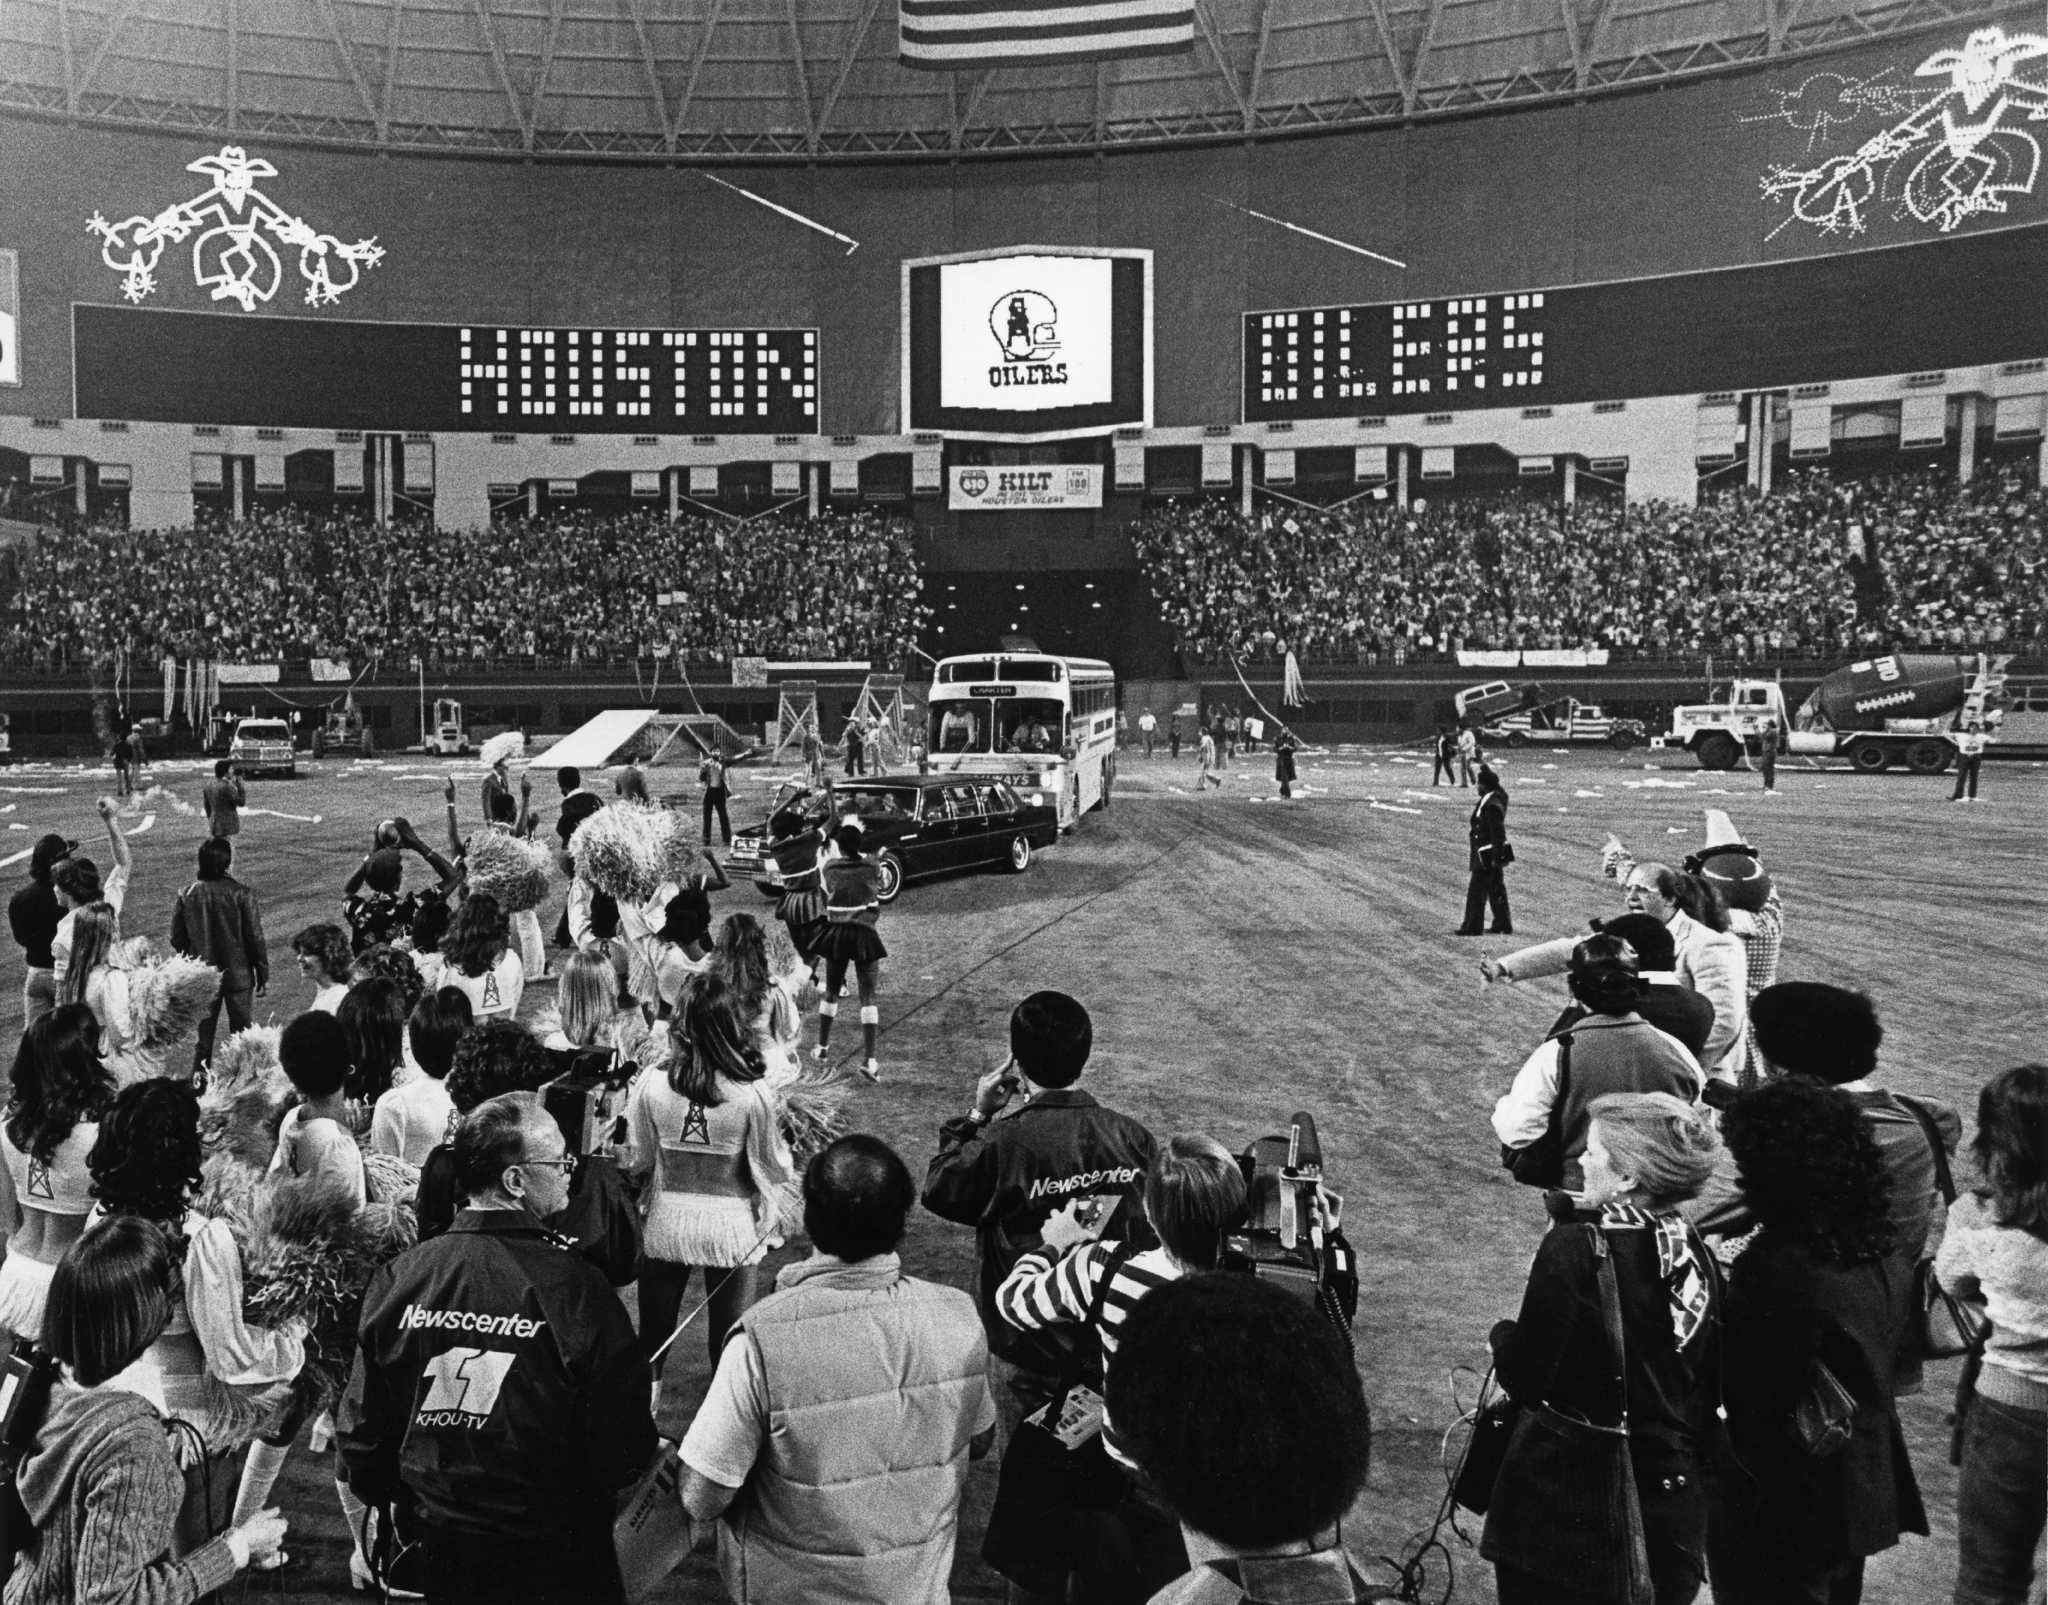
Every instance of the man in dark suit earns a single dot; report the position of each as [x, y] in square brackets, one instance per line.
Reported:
[1489, 859]
[577, 804]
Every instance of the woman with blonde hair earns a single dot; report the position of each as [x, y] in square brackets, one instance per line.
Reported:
[705, 1132]
[97, 977]
[1647, 1153]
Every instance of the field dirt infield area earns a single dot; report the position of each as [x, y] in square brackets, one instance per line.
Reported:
[1245, 957]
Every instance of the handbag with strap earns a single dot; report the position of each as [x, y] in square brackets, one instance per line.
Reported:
[1564, 1508]
[1948, 1326]
[1056, 1472]
[1824, 1415]
[1541, 1163]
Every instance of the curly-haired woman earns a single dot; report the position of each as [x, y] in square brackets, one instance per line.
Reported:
[217, 1371]
[1812, 1290]
[1996, 1250]
[706, 1132]
[325, 960]
[480, 961]
[54, 1103]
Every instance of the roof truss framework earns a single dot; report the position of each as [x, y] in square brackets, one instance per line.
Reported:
[655, 80]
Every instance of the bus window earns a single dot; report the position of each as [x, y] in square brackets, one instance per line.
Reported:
[961, 726]
[1032, 724]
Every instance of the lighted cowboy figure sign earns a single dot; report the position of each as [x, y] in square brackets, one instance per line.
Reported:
[1957, 154]
[232, 260]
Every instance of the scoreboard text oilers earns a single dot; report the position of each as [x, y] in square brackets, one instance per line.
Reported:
[1479, 350]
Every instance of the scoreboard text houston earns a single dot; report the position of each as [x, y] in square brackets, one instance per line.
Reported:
[329, 373]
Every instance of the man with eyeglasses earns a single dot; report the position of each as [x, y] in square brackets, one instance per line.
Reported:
[499, 1400]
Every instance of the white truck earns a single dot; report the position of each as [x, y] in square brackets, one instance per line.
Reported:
[1901, 709]
[1567, 721]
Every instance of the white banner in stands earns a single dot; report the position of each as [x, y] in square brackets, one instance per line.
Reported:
[647, 482]
[1054, 485]
[330, 671]
[1537, 658]
[419, 468]
[50, 471]
[704, 479]
[1280, 466]
[348, 469]
[270, 470]
[845, 476]
[247, 673]
[10, 318]
[786, 478]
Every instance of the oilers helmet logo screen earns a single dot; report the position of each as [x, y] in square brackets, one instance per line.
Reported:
[1025, 333]
[1026, 325]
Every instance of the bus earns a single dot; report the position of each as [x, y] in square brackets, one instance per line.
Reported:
[1040, 723]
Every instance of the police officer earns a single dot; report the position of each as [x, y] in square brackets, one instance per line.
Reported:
[1489, 858]
[499, 1399]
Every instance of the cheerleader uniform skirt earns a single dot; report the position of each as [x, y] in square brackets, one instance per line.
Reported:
[802, 912]
[852, 944]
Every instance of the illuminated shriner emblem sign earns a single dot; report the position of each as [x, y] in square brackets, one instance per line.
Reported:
[232, 259]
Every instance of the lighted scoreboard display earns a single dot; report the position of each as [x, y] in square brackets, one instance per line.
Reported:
[320, 373]
[1849, 315]
[1335, 362]
[760, 381]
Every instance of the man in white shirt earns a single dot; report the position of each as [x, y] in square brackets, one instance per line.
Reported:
[1969, 759]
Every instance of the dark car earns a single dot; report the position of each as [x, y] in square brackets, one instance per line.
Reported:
[915, 825]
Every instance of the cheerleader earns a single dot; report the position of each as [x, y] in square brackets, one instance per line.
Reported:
[802, 912]
[853, 905]
[705, 1130]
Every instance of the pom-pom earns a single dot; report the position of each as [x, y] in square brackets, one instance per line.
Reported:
[504, 747]
[513, 871]
[812, 1119]
[624, 850]
[168, 998]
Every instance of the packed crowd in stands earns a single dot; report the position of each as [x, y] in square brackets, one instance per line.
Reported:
[566, 589]
[1820, 569]
[404, 1223]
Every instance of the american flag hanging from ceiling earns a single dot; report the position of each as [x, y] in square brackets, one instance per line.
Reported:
[947, 34]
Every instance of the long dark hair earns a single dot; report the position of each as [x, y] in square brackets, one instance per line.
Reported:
[477, 936]
[1701, 899]
[146, 1159]
[59, 1080]
[1810, 1170]
[372, 1016]
[739, 957]
[710, 1040]
[2012, 1147]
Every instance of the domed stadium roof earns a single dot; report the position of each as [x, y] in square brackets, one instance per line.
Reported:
[803, 80]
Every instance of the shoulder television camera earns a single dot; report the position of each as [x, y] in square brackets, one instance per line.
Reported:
[1290, 1234]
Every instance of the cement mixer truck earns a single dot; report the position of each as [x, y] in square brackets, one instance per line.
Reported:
[1898, 710]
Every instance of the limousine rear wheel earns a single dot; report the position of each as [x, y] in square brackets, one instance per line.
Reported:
[1020, 854]
[890, 869]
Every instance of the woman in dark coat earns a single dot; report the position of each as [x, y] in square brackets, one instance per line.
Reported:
[1812, 1288]
[1283, 762]
[1647, 1153]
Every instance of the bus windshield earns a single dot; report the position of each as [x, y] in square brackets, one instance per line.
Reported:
[1001, 724]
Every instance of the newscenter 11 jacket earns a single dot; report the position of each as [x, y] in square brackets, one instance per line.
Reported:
[500, 1385]
[1033, 1159]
